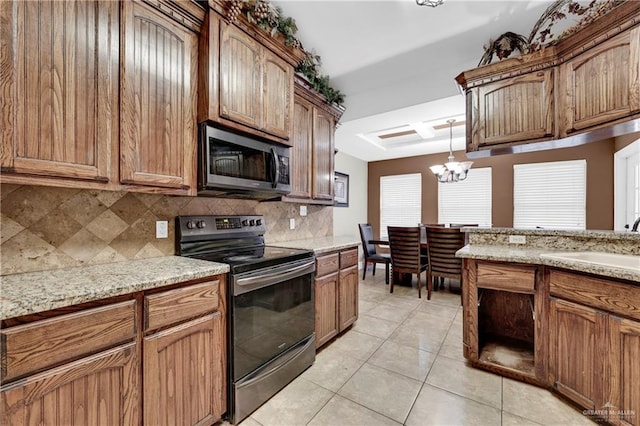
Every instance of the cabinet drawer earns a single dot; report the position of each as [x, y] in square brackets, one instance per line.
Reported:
[348, 258]
[514, 278]
[38, 345]
[180, 304]
[327, 264]
[607, 295]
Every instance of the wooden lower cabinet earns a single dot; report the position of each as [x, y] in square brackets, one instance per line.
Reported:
[595, 344]
[182, 373]
[577, 348]
[84, 366]
[348, 297]
[99, 389]
[326, 301]
[336, 293]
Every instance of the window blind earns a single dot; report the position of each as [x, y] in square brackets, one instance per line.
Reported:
[400, 201]
[467, 201]
[550, 195]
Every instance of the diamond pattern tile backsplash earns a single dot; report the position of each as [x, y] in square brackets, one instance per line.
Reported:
[49, 228]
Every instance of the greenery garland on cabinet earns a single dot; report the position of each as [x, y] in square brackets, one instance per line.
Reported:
[270, 18]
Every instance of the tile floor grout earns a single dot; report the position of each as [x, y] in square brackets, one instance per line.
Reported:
[348, 391]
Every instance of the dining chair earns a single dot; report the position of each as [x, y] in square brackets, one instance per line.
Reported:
[370, 254]
[442, 244]
[404, 244]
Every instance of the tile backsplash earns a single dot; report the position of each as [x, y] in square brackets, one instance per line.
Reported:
[49, 228]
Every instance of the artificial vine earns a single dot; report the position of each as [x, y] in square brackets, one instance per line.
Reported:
[270, 18]
[541, 34]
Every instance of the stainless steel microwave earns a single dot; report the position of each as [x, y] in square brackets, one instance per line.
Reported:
[236, 166]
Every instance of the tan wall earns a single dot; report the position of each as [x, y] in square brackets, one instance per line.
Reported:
[599, 156]
[622, 141]
[49, 228]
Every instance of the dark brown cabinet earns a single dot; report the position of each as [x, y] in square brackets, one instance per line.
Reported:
[158, 100]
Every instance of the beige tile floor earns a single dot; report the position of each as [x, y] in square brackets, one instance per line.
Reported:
[402, 363]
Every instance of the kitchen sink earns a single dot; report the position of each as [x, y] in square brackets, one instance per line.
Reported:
[624, 261]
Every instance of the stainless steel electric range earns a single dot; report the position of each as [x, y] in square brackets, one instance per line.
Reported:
[270, 304]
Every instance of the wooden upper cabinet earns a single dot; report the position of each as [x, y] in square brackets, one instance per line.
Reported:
[158, 100]
[323, 152]
[59, 81]
[278, 96]
[513, 110]
[245, 77]
[301, 152]
[240, 76]
[602, 84]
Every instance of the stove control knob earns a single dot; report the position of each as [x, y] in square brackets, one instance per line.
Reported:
[191, 224]
[201, 224]
[258, 222]
[245, 222]
[252, 222]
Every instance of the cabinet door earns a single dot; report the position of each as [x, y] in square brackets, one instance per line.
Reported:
[277, 93]
[60, 88]
[513, 110]
[184, 373]
[240, 77]
[301, 152]
[100, 389]
[348, 297]
[602, 84]
[323, 160]
[158, 100]
[578, 352]
[624, 376]
[326, 298]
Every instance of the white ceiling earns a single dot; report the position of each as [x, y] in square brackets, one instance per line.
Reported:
[396, 62]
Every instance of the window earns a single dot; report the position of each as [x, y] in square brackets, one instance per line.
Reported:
[550, 195]
[400, 201]
[467, 201]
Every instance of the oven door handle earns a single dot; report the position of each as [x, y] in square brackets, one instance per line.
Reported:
[272, 276]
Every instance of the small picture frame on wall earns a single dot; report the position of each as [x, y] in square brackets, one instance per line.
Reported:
[341, 189]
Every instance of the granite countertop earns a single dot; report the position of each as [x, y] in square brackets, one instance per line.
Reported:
[320, 245]
[588, 233]
[33, 292]
[532, 255]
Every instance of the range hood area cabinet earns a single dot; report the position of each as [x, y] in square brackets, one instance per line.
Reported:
[313, 146]
[100, 113]
[246, 77]
[586, 82]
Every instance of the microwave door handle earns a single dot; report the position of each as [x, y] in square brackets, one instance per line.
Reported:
[276, 175]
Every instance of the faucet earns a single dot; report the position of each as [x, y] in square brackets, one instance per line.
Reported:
[634, 228]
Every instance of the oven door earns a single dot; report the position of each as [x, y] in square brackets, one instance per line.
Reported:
[272, 311]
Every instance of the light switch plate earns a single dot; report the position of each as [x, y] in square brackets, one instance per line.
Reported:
[303, 210]
[517, 239]
[292, 223]
[162, 229]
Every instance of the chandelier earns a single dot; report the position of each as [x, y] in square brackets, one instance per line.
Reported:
[430, 3]
[451, 171]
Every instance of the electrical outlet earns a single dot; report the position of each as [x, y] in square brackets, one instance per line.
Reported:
[292, 223]
[162, 229]
[303, 210]
[517, 239]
